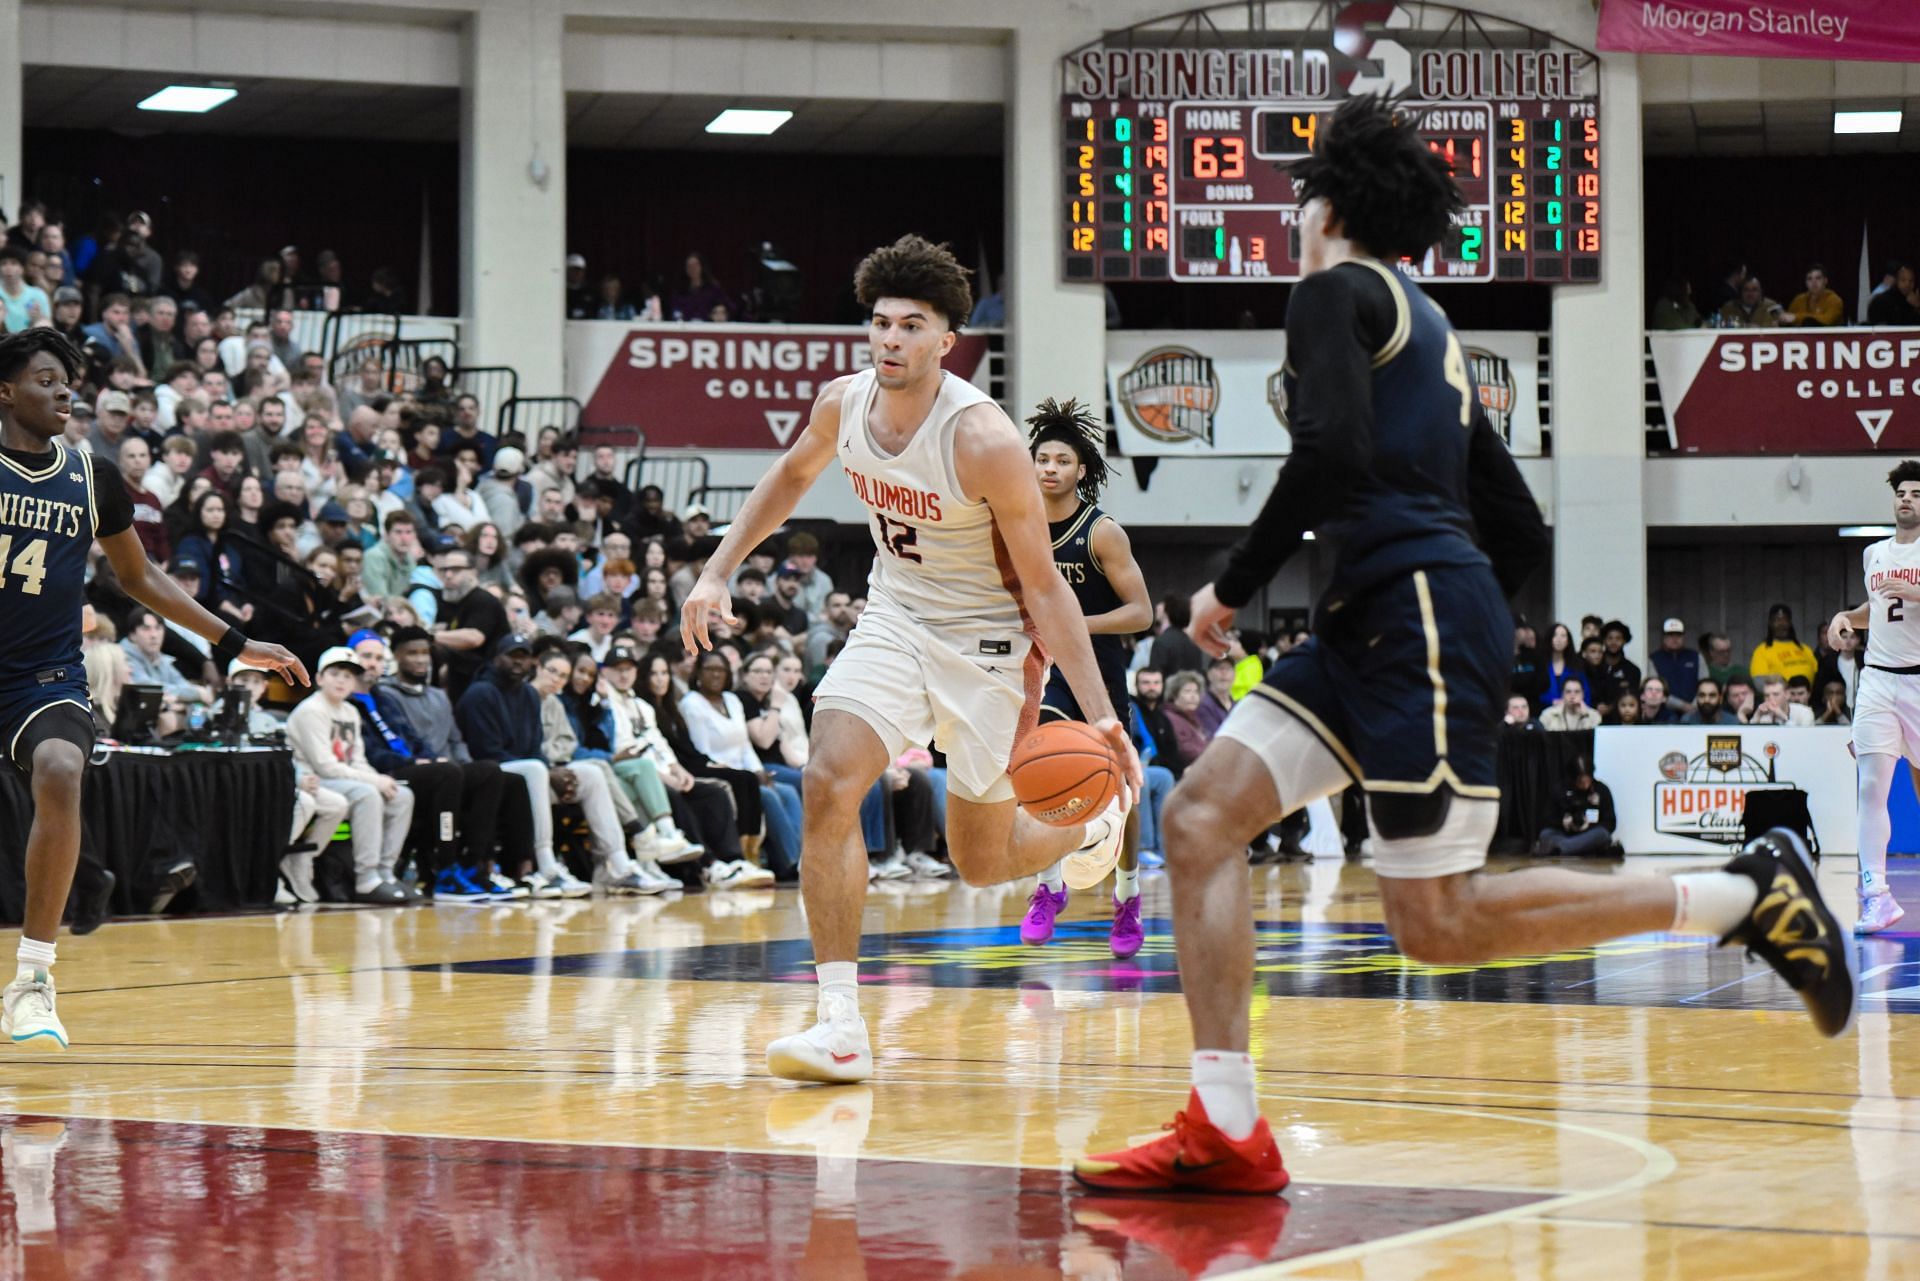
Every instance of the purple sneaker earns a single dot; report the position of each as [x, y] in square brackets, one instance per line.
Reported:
[1045, 904]
[1128, 934]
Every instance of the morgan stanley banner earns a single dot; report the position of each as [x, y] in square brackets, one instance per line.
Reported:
[1861, 30]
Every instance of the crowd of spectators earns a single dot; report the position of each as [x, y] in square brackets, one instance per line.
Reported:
[1561, 684]
[1739, 300]
[695, 296]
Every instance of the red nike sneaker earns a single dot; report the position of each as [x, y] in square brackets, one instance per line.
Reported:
[1192, 1157]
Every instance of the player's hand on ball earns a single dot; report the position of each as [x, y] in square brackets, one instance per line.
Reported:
[275, 658]
[1132, 778]
[708, 600]
[1209, 625]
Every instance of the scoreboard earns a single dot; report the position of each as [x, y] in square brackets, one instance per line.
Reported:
[1175, 160]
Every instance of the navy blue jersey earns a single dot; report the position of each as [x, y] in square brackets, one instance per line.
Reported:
[48, 517]
[1409, 508]
[1073, 557]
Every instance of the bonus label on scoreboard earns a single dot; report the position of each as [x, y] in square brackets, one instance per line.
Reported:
[1177, 158]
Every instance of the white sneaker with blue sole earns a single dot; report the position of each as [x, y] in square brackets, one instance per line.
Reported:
[27, 1016]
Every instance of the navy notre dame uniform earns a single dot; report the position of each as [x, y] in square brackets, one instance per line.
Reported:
[1405, 676]
[48, 517]
[1073, 557]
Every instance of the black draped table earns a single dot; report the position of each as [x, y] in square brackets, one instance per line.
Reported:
[226, 810]
[1533, 769]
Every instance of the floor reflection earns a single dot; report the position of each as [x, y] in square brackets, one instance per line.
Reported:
[92, 1198]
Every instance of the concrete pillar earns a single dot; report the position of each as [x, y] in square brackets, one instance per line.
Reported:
[1056, 333]
[13, 110]
[513, 210]
[1599, 450]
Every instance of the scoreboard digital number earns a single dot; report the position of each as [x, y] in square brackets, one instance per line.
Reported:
[1176, 159]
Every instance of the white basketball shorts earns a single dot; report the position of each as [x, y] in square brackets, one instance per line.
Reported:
[1886, 714]
[972, 694]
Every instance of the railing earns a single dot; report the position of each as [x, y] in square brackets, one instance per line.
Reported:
[527, 416]
[723, 502]
[680, 477]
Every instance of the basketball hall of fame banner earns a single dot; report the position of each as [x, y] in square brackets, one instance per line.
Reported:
[1682, 789]
[1218, 393]
[1790, 391]
[718, 386]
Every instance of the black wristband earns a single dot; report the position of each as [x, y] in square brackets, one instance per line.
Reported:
[228, 647]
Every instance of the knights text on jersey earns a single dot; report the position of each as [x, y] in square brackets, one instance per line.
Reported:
[48, 516]
[938, 556]
[1893, 626]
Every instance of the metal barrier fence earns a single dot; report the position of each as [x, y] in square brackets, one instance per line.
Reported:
[527, 416]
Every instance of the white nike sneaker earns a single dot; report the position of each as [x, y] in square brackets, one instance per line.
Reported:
[927, 867]
[674, 846]
[1878, 912]
[561, 884]
[834, 1051]
[1089, 865]
[889, 869]
[26, 1013]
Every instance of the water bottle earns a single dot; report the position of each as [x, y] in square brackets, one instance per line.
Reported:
[197, 717]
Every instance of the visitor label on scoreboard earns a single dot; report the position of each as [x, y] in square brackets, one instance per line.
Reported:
[1176, 157]
[718, 386]
[1790, 391]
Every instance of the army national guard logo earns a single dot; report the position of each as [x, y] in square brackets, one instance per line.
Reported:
[1705, 797]
[1171, 395]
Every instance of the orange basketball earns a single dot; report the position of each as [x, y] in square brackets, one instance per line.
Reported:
[1064, 773]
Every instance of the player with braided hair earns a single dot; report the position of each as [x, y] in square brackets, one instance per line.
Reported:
[1092, 553]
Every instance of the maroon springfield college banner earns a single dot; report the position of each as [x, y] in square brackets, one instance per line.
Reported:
[1857, 30]
[1790, 391]
[719, 386]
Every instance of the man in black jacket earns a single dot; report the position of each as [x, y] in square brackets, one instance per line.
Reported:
[1586, 822]
[499, 716]
[1151, 713]
[1174, 650]
[422, 714]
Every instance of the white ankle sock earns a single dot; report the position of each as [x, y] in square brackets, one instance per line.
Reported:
[1711, 902]
[1224, 1081]
[33, 955]
[545, 861]
[1126, 885]
[843, 975]
[1053, 880]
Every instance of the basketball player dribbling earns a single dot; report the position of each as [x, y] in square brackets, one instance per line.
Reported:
[55, 502]
[1095, 558]
[1402, 684]
[964, 607]
[1886, 706]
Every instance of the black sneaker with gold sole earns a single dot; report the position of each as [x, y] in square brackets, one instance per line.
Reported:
[1791, 929]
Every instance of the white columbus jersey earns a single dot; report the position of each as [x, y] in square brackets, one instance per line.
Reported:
[1893, 626]
[938, 557]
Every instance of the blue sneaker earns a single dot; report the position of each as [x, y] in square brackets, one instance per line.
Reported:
[454, 885]
[1151, 861]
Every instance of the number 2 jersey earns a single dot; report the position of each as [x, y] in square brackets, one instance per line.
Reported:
[1893, 625]
[52, 506]
[938, 556]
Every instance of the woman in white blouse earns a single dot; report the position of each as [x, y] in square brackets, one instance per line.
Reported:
[717, 723]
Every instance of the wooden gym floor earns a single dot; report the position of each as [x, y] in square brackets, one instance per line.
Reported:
[576, 1091]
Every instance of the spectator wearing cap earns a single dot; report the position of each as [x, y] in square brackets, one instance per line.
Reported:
[1677, 665]
[69, 305]
[149, 513]
[803, 555]
[1781, 654]
[506, 495]
[499, 716]
[22, 305]
[581, 300]
[112, 412]
[388, 570]
[324, 732]
[696, 522]
[556, 472]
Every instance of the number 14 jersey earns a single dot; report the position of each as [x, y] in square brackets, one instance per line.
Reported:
[938, 557]
[1893, 625]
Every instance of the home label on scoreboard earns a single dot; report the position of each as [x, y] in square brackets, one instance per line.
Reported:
[1176, 156]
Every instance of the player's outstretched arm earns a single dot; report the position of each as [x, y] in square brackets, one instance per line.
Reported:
[1113, 552]
[146, 583]
[991, 462]
[765, 510]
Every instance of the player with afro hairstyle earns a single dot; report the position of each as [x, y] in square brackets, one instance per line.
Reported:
[914, 267]
[1391, 194]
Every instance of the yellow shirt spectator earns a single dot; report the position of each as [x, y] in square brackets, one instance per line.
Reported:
[1783, 658]
[1819, 305]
